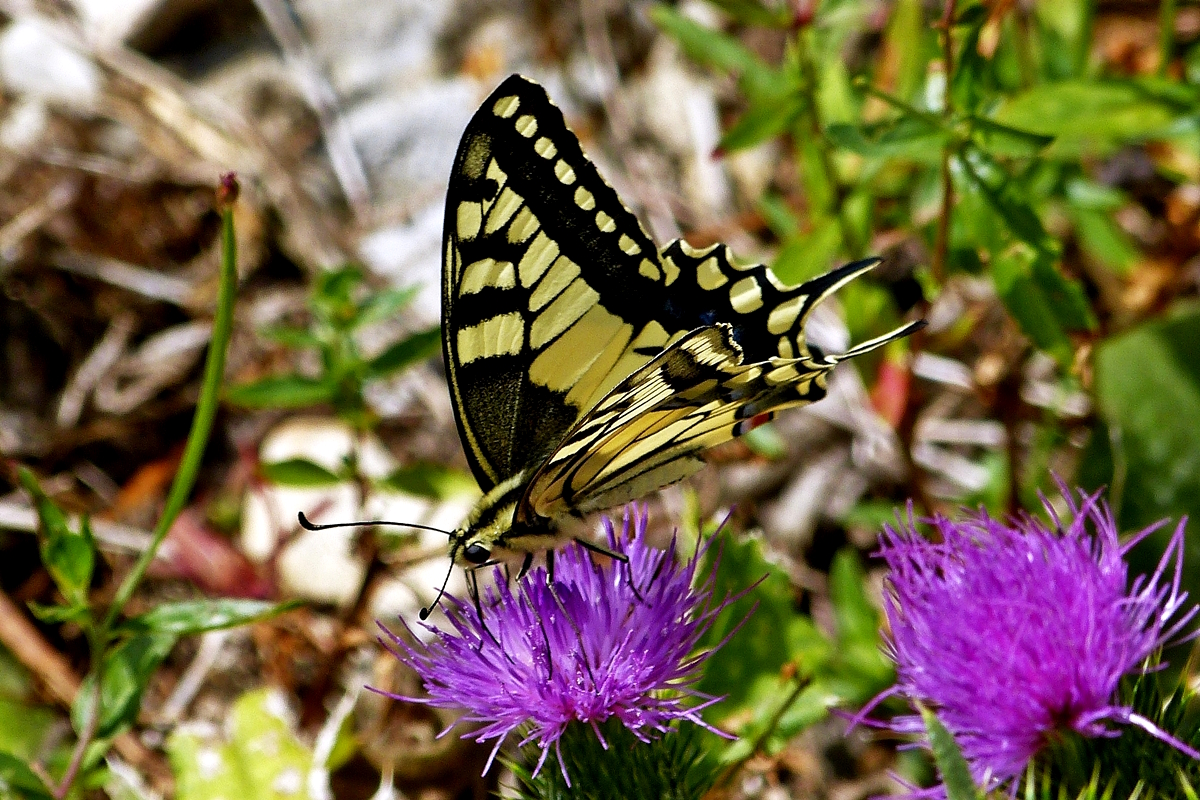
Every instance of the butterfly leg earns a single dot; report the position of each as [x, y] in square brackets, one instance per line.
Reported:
[550, 568]
[621, 557]
[473, 590]
[525, 565]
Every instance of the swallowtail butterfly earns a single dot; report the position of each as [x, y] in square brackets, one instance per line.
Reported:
[586, 366]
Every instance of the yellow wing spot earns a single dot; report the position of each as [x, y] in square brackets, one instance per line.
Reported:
[501, 335]
[605, 223]
[545, 148]
[564, 172]
[470, 217]
[783, 374]
[495, 173]
[507, 205]
[526, 125]
[709, 274]
[524, 225]
[746, 375]
[478, 153]
[540, 255]
[558, 278]
[733, 262]
[773, 279]
[671, 269]
[584, 199]
[628, 245]
[746, 295]
[783, 316]
[479, 275]
[505, 107]
[648, 269]
[695, 252]
[561, 314]
[785, 347]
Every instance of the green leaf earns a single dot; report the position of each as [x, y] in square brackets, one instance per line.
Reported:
[427, 479]
[1102, 239]
[69, 557]
[766, 441]
[808, 254]
[57, 615]
[956, 775]
[259, 756]
[903, 137]
[705, 45]
[1006, 140]
[298, 338]
[751, 12]
[1088, 115]
[23, 729]
[281, 391]
[189, 617]
[747, 669]
[385, 304]
[124, 675]
[1147, 385]
[19, 781]
[406, 352]
[761, 122]
[1010, 200]
[298, 472]
[1030, 306]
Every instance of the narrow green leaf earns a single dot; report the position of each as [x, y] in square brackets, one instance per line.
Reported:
[18, 781]
[57, 615]
[857, 616]
[69, 557]
[1011, 201]
[281, 391]
[189, 617]
[705, 45]
[1066, 296]
[900, 138]
[1006, 140]
[406, 352]
[761, 122]
[956, 775]
[124, 675]
[298, 472]
[427, 479]
[383, 305]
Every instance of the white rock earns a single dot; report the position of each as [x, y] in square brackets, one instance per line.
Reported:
[35, 62]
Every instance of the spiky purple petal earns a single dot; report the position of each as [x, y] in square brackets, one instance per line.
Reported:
[587, 648]
[1016, 633]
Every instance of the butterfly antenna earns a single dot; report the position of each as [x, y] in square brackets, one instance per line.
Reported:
[312, 526]
[424, 615]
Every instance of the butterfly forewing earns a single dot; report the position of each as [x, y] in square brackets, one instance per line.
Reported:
[551, 290]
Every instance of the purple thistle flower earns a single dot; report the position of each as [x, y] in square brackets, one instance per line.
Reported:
[1016, 634]
[586, 649]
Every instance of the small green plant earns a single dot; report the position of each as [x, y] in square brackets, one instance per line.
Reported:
[125, 650]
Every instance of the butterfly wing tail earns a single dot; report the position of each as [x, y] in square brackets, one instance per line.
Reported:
[878, 341]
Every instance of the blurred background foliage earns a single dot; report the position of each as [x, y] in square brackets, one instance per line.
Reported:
[1030, 173]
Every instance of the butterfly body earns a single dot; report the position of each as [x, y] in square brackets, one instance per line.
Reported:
[586, 366]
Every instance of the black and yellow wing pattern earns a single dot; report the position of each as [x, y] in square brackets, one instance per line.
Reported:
[586, 367]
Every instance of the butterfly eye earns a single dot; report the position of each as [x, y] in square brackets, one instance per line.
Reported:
[476, 553]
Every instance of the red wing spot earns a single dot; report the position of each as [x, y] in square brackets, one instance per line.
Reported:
[747, 425]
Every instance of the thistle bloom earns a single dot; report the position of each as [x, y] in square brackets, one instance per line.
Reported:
[1016, 634]
[613, 641]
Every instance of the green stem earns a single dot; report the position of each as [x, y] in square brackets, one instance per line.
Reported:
[1166, 35]
[941, 249]
[202, 422]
